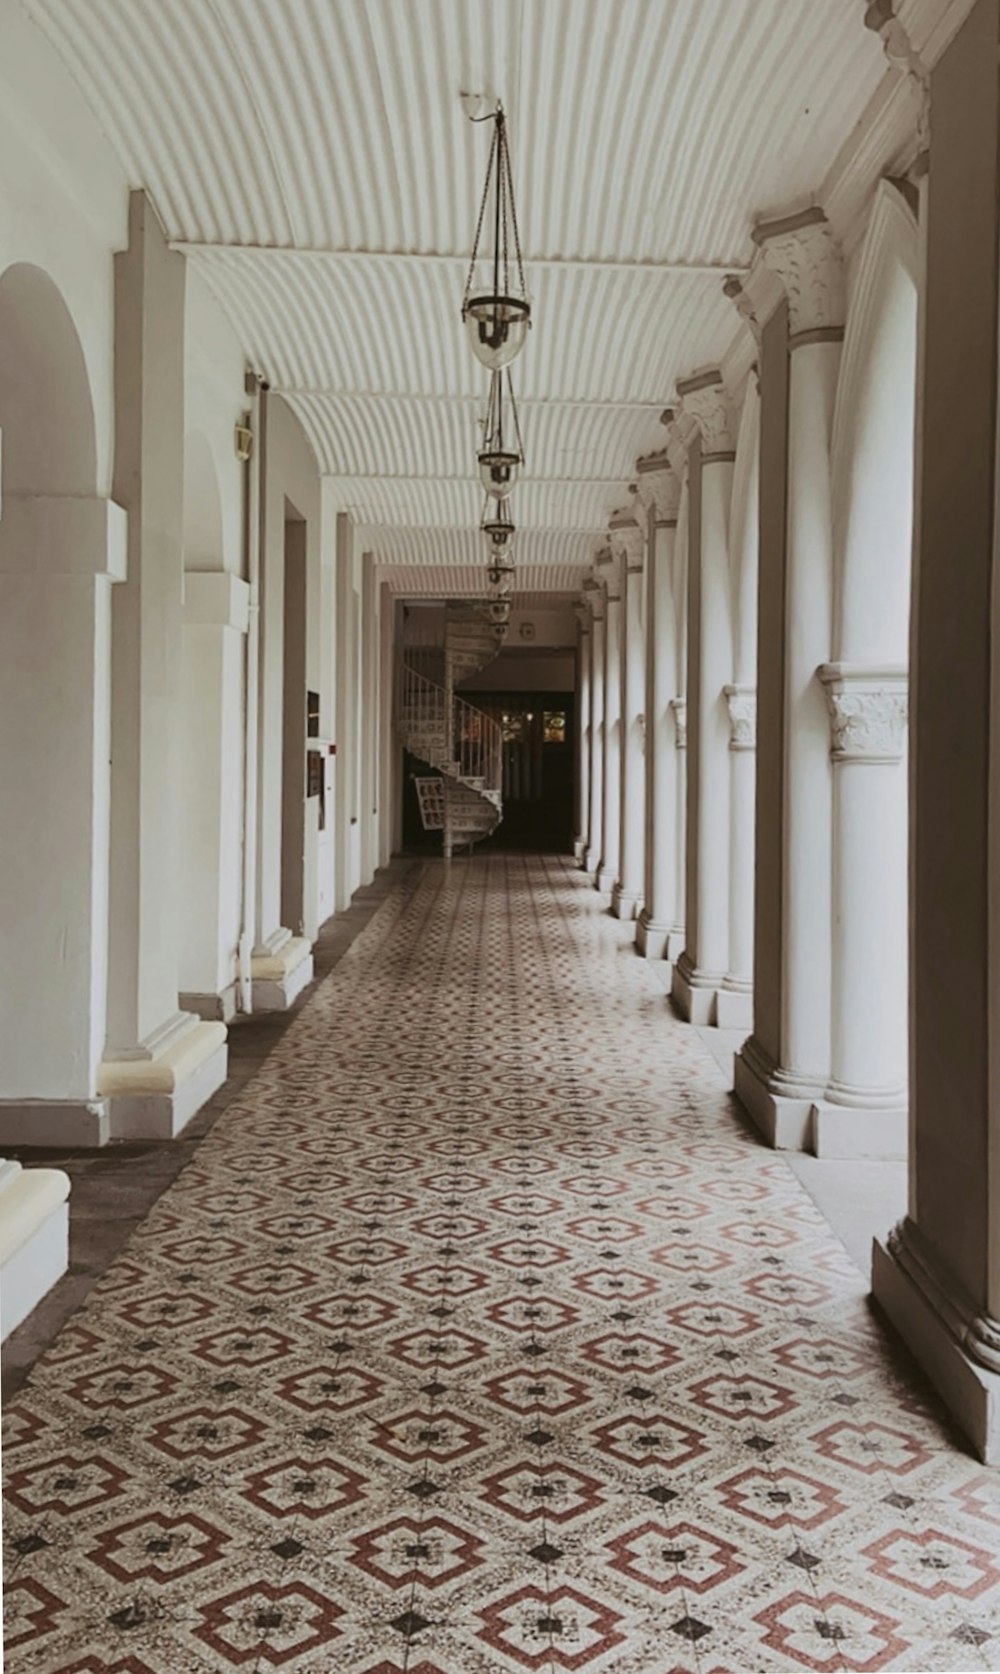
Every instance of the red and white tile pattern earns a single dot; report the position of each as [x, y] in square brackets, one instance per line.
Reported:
[481, 1338]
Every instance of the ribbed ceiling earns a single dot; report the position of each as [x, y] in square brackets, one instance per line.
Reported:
[314, 159]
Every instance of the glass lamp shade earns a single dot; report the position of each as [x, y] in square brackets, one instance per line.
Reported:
[499, 632]
[500, 576]
[499, 532]
[498, 611]
[498, 468]
[497, 328]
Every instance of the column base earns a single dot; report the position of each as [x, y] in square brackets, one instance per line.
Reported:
[156, 1097]
[927, 1325]
[840, 1130]
[625, 903]
[652, 939]
[279, 976]
[579, 849]
[779, 1105]
[590, 861]
[733, 1008]
[34, 1238]
[606, 878]
[61, 1124]
[213, 1008]
[693, 992]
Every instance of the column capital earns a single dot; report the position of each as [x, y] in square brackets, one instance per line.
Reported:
[581, 611]
[608, 571]
[868, 711]
[627, 540]
[802, 253]
[705, 400]
[742, 704]
[680, 709]
[734, 288]
[659, 486]
[593, 597]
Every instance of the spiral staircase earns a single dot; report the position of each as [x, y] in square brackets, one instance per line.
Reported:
[461, 743]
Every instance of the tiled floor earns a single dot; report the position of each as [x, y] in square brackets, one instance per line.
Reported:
[480, 1336]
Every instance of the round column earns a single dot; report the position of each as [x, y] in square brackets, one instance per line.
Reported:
[607, 871]
[734, 1001]
[702, 965]
[594, 597]
[659, 488]
[864, 1112]
[676, 940]
[626, 895]
[784, 1067]
[582, 797]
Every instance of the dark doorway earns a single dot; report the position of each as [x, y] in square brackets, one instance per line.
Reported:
[538, 756]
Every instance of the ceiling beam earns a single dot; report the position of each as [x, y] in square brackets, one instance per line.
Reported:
[601, 264]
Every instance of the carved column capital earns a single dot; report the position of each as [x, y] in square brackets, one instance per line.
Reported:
[868, 711]
[802, 253]
[705, 400]
[627, 540]
[608, 571]
[582, 613]
[680, 709]
[742, 703]
[593, 598]
[659, 486]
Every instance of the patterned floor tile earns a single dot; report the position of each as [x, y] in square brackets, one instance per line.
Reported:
[479, 1338]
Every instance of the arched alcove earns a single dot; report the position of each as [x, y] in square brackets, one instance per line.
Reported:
[46, 408]
[873, 442]
[54, 709]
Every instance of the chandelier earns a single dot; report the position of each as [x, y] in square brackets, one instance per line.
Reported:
[498, 314]
[502, 453]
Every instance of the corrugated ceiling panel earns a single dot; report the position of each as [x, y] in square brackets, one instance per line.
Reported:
[432, 503]
[638, 128]
[414, 436]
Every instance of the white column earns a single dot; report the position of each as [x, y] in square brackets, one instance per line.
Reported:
[659, 490]
[594, 595]
[216, 615]
[937, 1277]
[734, 1000]
[610, 570]
[785, 1065]
[626, 894]
[701, 968]
[582, 799]
[160, 1063]
[864, 1112]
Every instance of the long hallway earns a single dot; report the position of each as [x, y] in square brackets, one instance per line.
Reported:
[481, 1336]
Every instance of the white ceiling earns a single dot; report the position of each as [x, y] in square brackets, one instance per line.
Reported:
[314, 159]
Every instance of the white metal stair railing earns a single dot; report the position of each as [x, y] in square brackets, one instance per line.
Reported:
[470, 643]
[464, 744]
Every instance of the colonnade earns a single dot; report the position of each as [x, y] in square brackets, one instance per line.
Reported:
[188, 633]
[812, 880]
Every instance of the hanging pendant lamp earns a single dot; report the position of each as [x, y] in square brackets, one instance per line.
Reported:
[497, 528]
[502, 453]
[497, 315]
